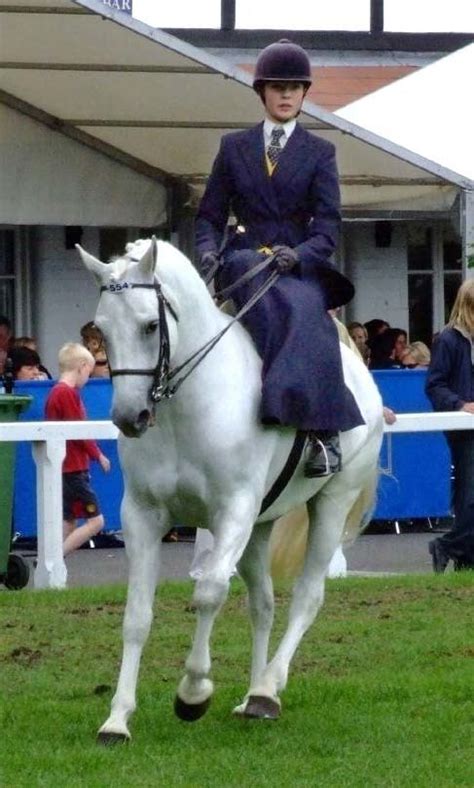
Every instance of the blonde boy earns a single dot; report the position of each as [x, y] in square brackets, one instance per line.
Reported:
[64, 404]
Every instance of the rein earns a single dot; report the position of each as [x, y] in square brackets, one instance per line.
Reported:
[162, 386]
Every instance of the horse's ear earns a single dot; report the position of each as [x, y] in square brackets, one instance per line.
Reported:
[97, 269]
[150, 258]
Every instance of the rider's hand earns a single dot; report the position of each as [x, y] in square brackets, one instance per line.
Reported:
[207, 262]
[284, 259]
[389, 416]
[468, 407]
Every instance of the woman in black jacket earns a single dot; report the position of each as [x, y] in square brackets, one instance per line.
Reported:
[450, 386]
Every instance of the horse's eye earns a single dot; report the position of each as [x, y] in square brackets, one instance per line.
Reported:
[151, 327]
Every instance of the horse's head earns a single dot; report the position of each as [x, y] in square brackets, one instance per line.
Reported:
[135, 311]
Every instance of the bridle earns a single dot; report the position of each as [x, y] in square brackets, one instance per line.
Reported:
[162, 386]
[160, 372]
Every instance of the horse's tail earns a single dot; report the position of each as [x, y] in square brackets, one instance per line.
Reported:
[362, 510]
[288, 543]
[290, 533]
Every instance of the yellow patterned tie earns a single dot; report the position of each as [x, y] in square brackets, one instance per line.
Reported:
[274, 149]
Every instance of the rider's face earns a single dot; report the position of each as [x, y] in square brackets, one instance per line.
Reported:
[283, 100]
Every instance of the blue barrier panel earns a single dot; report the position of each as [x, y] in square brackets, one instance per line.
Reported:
[97, 395]
[416, 480]
[415, 483]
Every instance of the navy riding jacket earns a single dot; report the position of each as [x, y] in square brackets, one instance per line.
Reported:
[450, 379]
[296, 206]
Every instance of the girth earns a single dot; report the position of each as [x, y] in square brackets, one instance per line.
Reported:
[287, 472]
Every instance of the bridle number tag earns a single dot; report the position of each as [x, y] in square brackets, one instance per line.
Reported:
[116, 287]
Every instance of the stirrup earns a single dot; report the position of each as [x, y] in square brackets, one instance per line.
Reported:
[324, 457]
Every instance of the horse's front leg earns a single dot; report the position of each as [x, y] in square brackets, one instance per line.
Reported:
[231, 533]
[143, 531]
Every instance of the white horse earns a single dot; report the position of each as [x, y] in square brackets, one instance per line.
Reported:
[206, 460]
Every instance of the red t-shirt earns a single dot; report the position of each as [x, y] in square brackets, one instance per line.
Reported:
[64, 404]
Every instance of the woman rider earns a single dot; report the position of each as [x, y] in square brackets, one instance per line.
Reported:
[281, 184]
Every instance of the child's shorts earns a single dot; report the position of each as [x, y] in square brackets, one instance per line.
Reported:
[79, 499]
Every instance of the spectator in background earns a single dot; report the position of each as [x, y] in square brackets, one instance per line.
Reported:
[30, 344]
[64, 404]
[5, 340]
[92, 337]
[401, 340]
[416, 355]
[93, 340]
[387, 348]
[375, 327]
[26, 364]
[101, 365]
[358, 334]
[450, 387]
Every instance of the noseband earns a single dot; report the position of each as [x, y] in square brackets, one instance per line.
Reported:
[161, 372]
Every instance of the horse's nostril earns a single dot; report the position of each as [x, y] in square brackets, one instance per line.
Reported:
[143, 417]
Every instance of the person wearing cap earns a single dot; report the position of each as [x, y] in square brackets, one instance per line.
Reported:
[281, 183]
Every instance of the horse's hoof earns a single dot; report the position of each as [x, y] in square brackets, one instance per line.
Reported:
[109, 738]
[260, 707]
[190, 712]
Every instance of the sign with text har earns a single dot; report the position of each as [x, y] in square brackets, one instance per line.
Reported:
[120, 5]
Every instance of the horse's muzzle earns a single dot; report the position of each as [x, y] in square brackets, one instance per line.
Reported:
[133, 429]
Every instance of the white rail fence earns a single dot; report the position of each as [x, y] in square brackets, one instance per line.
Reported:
[48, 441]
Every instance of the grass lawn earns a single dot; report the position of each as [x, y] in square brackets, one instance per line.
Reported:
[381, 692]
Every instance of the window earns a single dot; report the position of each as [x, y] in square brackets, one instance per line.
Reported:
[420, 283]
[7, 273]
[302, 15]
[112, 242]
[434, 276]
[426, 16]
[452, 270]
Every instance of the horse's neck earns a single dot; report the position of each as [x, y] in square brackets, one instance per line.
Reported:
[198, 317]
[199, 322]
[232, 361]
[230, 369]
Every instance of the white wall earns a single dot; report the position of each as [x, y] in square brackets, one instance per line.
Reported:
[378, 274]
[64, 294]
[49, 179]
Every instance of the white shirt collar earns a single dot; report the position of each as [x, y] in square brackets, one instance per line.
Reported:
[269, 125]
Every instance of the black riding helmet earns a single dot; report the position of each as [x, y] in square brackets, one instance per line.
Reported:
[282, 62]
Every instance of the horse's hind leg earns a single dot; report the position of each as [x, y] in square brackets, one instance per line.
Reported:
[142, 540]
[255, 572]
[327, 518]
[231, 537]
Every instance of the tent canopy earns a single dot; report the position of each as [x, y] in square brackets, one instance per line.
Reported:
[158, 105]
[427, 111]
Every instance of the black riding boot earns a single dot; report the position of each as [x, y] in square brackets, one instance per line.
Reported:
[324, 456]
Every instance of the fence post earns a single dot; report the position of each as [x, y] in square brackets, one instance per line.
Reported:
[51, 570]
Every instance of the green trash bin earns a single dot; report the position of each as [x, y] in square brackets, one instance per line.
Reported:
[14, 571]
